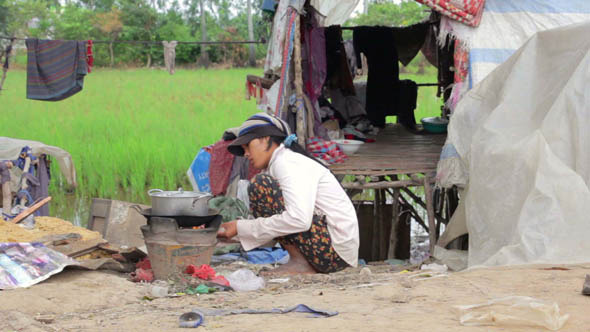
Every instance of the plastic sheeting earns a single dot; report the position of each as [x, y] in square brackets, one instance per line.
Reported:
[522, 132]
[506, 26]
[11, 147]
[334, 12]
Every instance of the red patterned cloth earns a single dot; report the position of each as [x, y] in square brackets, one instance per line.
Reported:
[254, 90]
[89, 56]
[465, 11]
[220, 167]
[327, 151]
[461, 63]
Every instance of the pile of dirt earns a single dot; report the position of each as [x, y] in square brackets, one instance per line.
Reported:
[44, 226]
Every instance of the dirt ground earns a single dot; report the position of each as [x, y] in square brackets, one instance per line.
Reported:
[384, 300]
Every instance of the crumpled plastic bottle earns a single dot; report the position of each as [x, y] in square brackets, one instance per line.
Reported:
[244, 280]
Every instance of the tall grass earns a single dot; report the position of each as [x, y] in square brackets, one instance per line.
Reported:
[131, 130]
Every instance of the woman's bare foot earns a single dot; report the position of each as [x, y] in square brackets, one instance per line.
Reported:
[297, 264]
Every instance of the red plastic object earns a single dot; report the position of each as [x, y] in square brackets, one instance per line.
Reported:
[204, 272]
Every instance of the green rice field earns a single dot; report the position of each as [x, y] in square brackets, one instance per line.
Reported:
[131, 130]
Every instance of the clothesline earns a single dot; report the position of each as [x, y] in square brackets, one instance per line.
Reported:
[262, 41]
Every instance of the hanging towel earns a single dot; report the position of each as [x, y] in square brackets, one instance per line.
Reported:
[55, 68]
[170, 55]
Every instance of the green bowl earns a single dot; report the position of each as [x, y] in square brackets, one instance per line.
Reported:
[435, 125]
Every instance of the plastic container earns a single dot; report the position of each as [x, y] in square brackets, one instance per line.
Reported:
[244, 280]
[348, 146]
[435, 125]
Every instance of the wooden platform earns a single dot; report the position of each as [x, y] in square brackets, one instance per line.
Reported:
[377, 166]
[396, 151]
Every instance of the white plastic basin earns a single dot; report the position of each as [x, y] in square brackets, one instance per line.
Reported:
[348, 146]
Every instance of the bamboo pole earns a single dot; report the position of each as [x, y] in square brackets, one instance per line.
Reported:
[299, 106]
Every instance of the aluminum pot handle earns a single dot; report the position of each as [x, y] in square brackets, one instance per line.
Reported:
[206, 196]
[151, 191]
[136, 207]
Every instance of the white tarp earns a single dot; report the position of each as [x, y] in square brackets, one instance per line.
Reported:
[10, 149]
[523, 134]
[334, 12]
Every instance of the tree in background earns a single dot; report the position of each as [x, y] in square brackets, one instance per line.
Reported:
[252, 53]
[140, 22]
[204, 58]
[391, 14]
[386, 13]
[110, 23]
[149, 20]
[28, 18]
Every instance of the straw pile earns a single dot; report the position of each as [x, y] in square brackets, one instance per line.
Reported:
[44, 226]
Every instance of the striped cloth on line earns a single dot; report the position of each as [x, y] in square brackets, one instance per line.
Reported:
[55, 68]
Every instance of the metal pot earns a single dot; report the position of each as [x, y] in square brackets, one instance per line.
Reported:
[179, 203]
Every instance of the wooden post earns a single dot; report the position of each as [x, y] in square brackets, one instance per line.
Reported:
[394, 225]
[375, 228]
[383, 236]
[299, 104]
[430, 210]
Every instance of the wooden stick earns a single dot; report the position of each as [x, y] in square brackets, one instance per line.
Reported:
[299, 84]
[264, 82]
[430, 210]
[420, 202]
[381, 184]
[414, 213]
[414, 197]
[30, 210]
[394, 224]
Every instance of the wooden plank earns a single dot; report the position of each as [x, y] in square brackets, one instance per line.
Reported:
[396, 151]
[30, 210]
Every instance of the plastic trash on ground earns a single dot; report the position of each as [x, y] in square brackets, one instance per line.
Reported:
[244, 280]
[25, 264]
[456, 260]
[513, 311]
[159, 288]
[434, 267]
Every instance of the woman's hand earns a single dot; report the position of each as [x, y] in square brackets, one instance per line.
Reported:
[228, 230]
